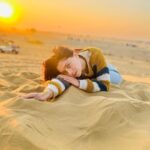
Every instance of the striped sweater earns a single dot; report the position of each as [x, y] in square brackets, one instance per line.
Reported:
[96, 78]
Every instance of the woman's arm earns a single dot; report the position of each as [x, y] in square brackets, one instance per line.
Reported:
[101, 82]
[54, 88]
[43, 96]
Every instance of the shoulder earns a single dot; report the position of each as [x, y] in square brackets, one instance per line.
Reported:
[92, 51]
[97, 57]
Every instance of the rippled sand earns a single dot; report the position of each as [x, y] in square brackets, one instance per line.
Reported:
[115, 120]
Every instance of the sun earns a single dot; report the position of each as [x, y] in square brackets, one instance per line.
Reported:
[6, 10]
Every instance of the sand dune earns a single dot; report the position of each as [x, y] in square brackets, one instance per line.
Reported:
[115, 120]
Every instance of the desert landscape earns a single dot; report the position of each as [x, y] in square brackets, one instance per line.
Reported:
[114, 120]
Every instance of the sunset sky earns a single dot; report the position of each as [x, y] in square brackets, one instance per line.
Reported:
[101, 17]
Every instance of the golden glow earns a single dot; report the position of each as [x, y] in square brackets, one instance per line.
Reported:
[103, 18]
[6, 10]
[10, 14]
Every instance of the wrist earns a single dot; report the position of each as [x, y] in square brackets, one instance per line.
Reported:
[49, 93]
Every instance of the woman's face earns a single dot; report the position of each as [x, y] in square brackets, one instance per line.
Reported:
[70, 66]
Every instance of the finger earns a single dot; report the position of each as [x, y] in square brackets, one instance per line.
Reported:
[61, 77]
[64, 76]
[31, 95]
[66, 79]
[26, 97]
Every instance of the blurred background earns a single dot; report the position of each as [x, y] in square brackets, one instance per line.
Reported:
[115, 18]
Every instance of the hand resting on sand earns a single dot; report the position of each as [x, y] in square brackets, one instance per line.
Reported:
[48, 94]
[43, 96]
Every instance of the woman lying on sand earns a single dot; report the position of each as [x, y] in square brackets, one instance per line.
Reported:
[85, 69]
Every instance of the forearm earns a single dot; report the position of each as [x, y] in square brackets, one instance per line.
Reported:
[93, 85]
[57, 86]
[101, 81]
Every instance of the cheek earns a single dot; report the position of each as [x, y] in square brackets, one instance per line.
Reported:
[75, 67]
[77, 64]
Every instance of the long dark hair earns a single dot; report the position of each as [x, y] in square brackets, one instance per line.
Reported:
[50, 65]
